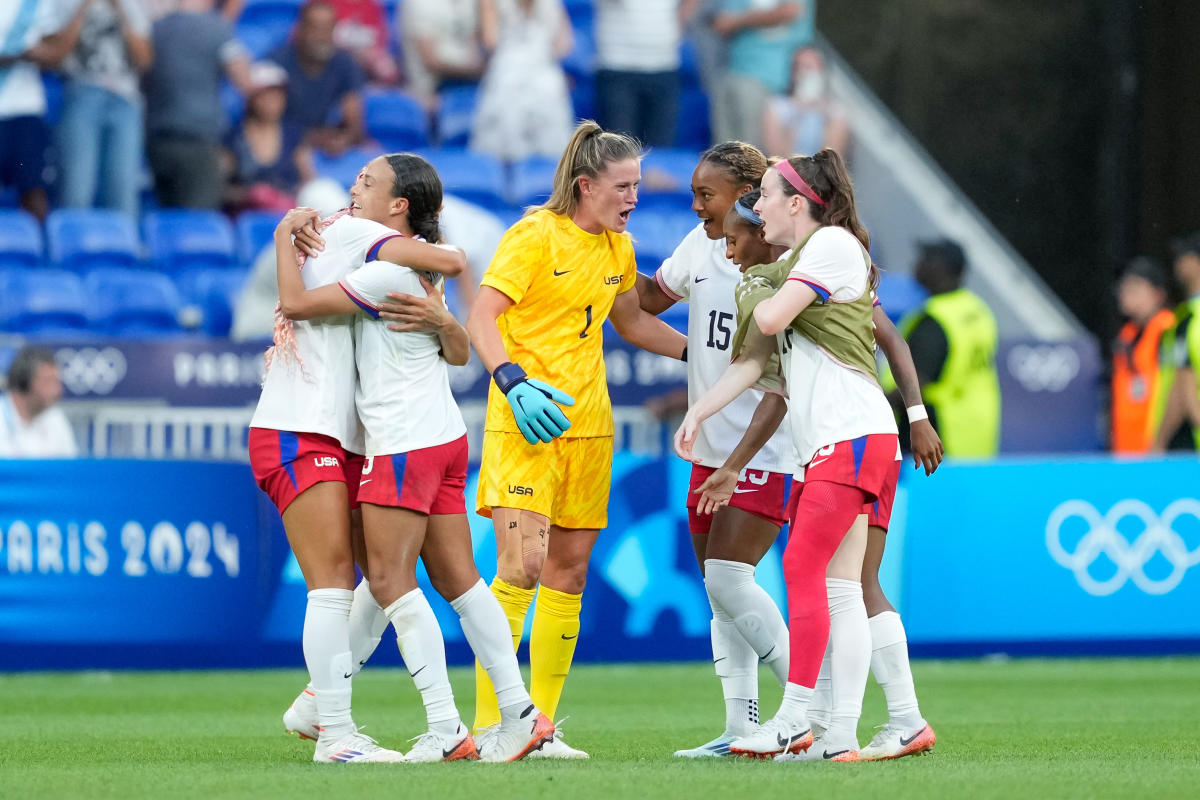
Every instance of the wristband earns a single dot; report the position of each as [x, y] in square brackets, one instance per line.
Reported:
[508, 375]
[917, 413]
[683, 356]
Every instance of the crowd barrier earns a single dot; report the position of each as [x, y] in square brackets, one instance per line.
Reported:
[140, 564]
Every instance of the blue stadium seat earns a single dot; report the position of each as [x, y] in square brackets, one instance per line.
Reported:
[531, 181]
[80, 239]
[692, 127]
[344, 168]
[45, 302]
[899, 293]
[266, 24]
[21, 243]
[128, 302]
[396, 119]
[656, 234]
[213, 292]
[475, 177]
[580, 63]
[581, 13]
[254, 231]
[181, 239]
[667, 179]
[583, 97]
[456, 113]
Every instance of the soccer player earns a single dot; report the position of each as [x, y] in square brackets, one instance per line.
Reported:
[536, 323]
[304, 441]
[411, 489]
[841, 425]
[747, 625]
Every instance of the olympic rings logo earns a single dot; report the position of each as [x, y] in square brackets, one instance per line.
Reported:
[89, 370]
[1104, 539]
[1043, 368]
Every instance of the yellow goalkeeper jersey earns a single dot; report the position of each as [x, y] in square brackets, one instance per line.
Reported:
[562, 281]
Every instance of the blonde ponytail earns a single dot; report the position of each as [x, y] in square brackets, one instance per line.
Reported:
[589, 151]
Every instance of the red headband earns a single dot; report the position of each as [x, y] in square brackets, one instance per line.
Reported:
[791, 176]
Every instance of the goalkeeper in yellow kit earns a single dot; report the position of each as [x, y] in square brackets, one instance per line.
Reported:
[536, 324]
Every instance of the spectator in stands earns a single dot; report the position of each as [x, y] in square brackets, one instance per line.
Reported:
[1178, 417]
[524, 106]
[324, 94]
[808, 117]
[266, 160]
[28, 42]
[195, 47]
[157, 9]
[762, 36]
[441, 44]
[953, 341]
[30, 424]
[362, 31]
[637, 66]
[100, 135]
[1142, 298]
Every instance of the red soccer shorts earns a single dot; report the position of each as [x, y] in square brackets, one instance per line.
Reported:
[868, 462]
[430, 480]
[762, 493]
[286, 463]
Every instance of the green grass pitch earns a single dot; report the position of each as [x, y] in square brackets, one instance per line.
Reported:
[1023, 729]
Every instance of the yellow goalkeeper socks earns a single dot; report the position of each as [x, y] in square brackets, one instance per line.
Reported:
[552, 646]
[515, 602]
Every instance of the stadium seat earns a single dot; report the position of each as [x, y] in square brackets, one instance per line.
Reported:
[344, 168]
[213, 293]
[80, 239]
[692, 127]
[264, 25]
[45, 302]
[396, 119]
[667, 179]
[128, 302]
[656, 234]
[456, 113]
[899, 293]
[580, 63]
[21, 243]
[583, 97]
[581, 13]
[232, 104]
[183, 239]
[475, 177]
[254, 231]
[531, 181]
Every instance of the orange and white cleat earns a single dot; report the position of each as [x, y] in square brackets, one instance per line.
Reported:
[822, 749]
[301, 717]
[433, 746]
[516, 740]
[893, 741]
[774, 737]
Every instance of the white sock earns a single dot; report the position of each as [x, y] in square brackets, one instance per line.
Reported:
[796, 700]
[889, 665]
[367, 624]
[822, 702]
[424, 651]
[736, 664]
[732, 587]
[487, 631]
[849, 656]
[326, 644]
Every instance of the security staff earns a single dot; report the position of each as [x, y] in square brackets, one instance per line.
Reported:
[953, 341]
[1179, 392]
[1142, 297]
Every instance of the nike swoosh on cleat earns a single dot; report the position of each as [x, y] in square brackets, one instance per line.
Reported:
[569, 638]
[906, 742]
[828, 754]
[784, 742]
[418, 672]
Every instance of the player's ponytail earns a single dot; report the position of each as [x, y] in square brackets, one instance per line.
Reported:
[743, 163]
[826, 176]
[417, 181]
[589, 151]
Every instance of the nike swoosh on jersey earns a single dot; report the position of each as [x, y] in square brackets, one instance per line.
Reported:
[365, 482]
[743, 491]
[558, 274]
[701, 279]
[816, 462]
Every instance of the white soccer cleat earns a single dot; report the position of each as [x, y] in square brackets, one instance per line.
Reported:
[824, 750]
[717, 748]
[355, 748]
[432, 747]
[301, 717]
[555, 747]
[893, 741]
[775, 736]
[516, 740]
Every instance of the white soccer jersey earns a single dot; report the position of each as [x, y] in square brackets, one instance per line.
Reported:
[698, 273]
[828, 401]
[312, 391]
[403, 396]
